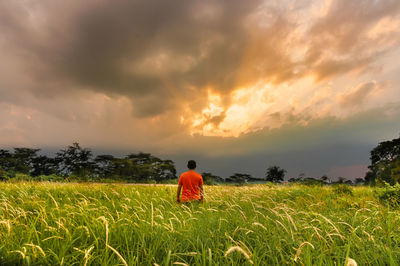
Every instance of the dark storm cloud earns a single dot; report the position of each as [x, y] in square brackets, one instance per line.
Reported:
[150, 51]
[162, 53]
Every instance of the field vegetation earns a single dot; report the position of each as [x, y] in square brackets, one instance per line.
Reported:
[93, 224]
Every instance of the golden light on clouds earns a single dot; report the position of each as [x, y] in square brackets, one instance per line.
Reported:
[384, 27]
[271, 106]
[151, 72]
[249, 109]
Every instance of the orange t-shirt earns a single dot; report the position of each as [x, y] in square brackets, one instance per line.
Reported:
[190, 182]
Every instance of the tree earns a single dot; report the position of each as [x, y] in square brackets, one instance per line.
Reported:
[150, 167]
[43, 165]
[311, 181]
[239, 178]
[210, 179]
[370, 178]
[348, 182]
[298, 179]
[6, 160]
[105, 165]
[125, 169]
[341, 180]
[78, 162]
[388, 172]
[23, 159]
[385, 159]
[75, 160]
[325, 178]
[275, 174]
[359, 181]
[164, 170]
[385, 163]
[386, 151]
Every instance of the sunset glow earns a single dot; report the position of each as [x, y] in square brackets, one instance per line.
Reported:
[187, 78]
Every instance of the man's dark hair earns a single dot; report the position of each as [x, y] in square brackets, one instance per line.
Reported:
[191, 164]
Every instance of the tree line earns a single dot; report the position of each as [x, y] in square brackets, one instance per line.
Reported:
[77, 163]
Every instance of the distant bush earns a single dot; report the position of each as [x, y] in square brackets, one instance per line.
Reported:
[109, 180]
[389, 194]
[50, 178]
[16, 177]
[149, 182]
[6, 175]
[171, 181]
[312, 182]
[342, 190]
[209, 182]
[21, 177]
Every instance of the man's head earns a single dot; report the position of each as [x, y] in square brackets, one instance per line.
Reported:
[191, 165]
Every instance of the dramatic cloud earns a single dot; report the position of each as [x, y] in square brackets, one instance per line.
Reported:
[358, 95]
[156, 74]
[162, 55]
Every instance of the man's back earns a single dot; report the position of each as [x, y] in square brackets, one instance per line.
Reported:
[190, 182]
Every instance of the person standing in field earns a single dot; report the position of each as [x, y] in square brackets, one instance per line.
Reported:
[191, 185]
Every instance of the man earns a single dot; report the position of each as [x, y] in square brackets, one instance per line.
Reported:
[192, 184]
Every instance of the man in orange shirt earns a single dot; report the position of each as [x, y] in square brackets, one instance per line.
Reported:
[192, 184]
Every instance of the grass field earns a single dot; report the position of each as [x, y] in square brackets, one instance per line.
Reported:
[93, 224]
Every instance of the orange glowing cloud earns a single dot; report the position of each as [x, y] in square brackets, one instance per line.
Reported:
[207, 68]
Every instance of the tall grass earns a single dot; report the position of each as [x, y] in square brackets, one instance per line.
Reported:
[92, 224]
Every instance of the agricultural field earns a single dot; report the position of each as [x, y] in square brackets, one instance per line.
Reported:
[116, 224]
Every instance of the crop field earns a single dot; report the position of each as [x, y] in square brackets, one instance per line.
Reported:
[116, 224]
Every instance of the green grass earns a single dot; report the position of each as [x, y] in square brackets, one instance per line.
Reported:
[110, 224]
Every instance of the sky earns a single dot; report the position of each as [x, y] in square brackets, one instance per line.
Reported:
[311, 86]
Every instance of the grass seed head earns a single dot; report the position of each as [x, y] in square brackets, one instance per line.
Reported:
[240, 250]
[351, 262]
[298, 252]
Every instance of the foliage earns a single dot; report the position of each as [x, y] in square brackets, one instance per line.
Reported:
[43, 165]
[210, 179]
[105, 165]
[389, 194]
[309, 181]
[341, 180]
[76, 163]
[341, 189]
[325, 179]
[50, 178]
[114, 224]
[385, 151]
[275, 174]
[359, 181]
[23, 159]
[238, 178]
[387, 172]
[151, 167]
[6, 175]
[370, 178]
[21, 177]
[385, 163]
[6, 160]
[75, 160]
[294, 180]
